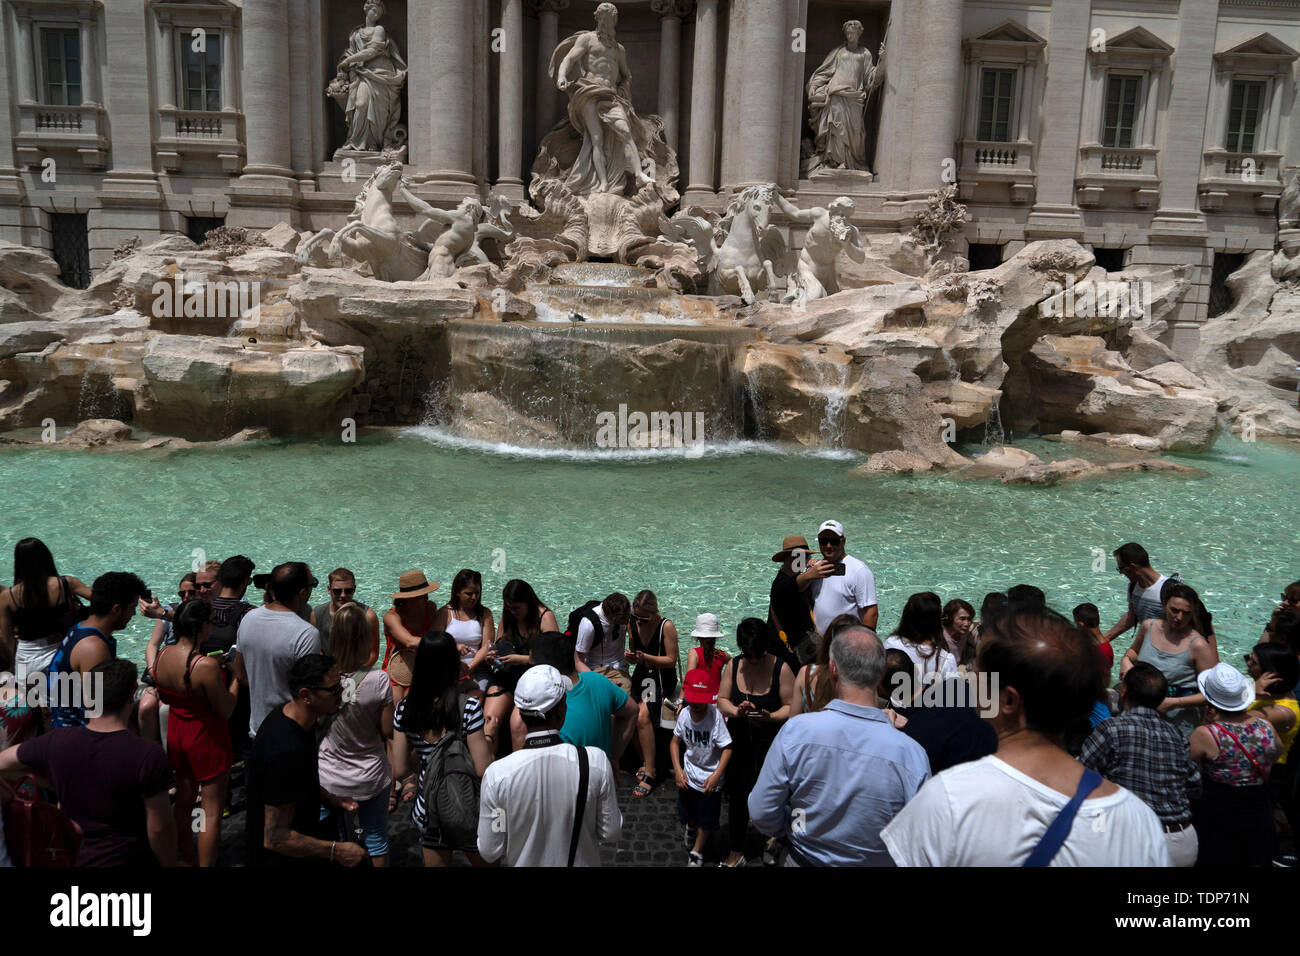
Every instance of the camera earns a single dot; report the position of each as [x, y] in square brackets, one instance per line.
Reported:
[262, 581]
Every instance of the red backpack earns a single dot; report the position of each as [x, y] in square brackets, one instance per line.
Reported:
[37, 833]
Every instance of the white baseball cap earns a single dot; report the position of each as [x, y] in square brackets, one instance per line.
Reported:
[832, 526]
[540, 688]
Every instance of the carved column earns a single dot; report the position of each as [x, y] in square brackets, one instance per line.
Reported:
[89, 58]
[266, 88]
[510, 109]
[548, 38]
[167, 61]
[670, 61]
[761, 79]
[704, 104]
[934, 133]
[26, 55]
[441, 84]
[228, 68]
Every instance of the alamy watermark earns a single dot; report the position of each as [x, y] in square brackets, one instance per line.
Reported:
[971, 689]
[1112, 299]
[204, 298]
[646, 430]
[73, 690]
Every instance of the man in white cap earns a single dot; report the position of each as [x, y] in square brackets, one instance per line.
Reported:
[550, 804]
[842, 584]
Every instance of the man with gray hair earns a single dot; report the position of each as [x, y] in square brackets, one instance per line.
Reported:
[832, 780]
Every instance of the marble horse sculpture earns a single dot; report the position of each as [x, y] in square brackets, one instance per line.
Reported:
[749, 248]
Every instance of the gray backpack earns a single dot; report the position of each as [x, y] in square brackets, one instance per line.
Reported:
[451, 795]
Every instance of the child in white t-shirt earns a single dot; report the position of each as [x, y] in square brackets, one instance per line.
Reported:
[702, 732]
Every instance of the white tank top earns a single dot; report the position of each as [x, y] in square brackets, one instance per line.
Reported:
[467, 633]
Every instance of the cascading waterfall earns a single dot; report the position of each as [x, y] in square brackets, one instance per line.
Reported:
[98, 397]
[994, 436]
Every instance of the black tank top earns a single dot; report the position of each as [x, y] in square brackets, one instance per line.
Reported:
[42, 623]
[770, 701]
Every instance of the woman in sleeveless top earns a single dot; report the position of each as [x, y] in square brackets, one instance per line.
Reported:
[353, 757]
[1276, 671]
[33, 611]
[812, 686]
[1175, 648]
[408, 620]
[755, 697]
[202, 697]
[523, 617]
[919, 635]
[652, 652]
[1236, 750]
[466, 619]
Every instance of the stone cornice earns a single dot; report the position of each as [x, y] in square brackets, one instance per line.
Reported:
[672, 8]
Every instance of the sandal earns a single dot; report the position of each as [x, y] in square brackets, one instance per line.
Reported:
[408, 790]
[644, 787]
[393, 796]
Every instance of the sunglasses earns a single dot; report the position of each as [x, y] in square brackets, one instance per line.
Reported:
[829, 540]
[339, 592]
[205, 586]
[186, 594]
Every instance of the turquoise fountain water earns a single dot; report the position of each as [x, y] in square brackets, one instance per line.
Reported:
[699, 532]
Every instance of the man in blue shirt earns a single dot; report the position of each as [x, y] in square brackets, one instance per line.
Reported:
[834, 779]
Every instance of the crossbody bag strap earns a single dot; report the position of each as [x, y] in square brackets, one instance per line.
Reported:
[1262, 772]
[1054, 838]
[584, 775]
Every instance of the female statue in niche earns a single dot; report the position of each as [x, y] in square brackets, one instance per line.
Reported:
[837, 101]
[369, 88]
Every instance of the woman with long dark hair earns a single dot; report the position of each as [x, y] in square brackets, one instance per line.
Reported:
[812, 686]
[466, 619]
[36, 612]
[755, 697]
[652, 652]
[201, 695]
[919, 635]
[436, 706]
[523, 617]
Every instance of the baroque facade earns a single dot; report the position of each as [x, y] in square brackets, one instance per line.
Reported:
[1154, 131]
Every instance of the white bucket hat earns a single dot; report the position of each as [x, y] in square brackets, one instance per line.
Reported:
[1225, 688]
[706, 625]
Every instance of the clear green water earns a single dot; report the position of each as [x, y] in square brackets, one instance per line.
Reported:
[698, 532]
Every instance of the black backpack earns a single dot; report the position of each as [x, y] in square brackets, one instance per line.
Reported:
[588, 612]
[450, 790]
[225, 628]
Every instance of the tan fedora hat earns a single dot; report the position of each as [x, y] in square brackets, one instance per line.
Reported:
[414, 584]
[790, 542]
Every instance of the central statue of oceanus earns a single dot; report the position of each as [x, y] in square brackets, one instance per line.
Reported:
[604, 175]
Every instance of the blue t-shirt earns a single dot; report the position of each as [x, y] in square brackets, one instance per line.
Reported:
[68, 713]
[590, 705]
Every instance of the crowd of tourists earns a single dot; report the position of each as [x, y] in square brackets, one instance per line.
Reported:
[964, 737]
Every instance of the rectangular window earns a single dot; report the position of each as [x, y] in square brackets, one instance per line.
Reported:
[1122, 97]
[1244, 111]
[996, 89]
[62, 52]
[202, 70]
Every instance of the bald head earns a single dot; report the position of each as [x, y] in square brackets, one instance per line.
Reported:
[858, 657]
[1051, 665]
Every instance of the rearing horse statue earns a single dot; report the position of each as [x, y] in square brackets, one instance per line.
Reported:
[750, 244]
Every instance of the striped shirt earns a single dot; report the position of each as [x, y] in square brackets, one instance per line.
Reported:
[471, 722]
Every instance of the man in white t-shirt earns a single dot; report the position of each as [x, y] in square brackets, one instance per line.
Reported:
[603, 652]
[852, 592]
[997, 810]
[1144, 584]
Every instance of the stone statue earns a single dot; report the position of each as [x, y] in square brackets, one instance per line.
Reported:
[368, 86]
[592, 68]
[838, 94]
[750, 246]
[831, 233]
[441, 243]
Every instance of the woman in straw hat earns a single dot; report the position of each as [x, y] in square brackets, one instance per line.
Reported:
[405, 623]
[1236, 749]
